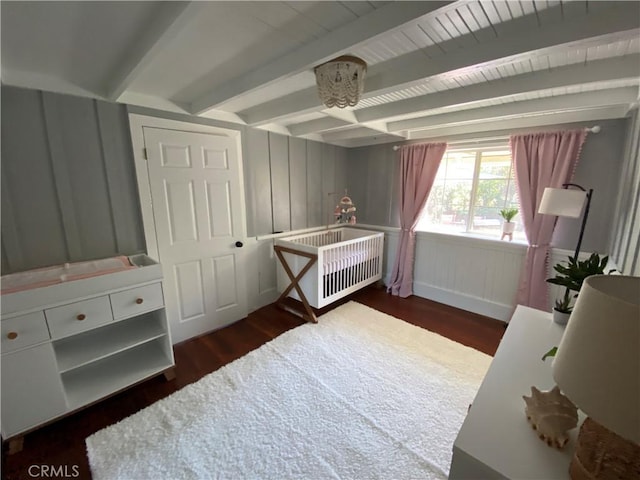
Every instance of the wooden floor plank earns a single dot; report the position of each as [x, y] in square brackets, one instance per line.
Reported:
[62, 443]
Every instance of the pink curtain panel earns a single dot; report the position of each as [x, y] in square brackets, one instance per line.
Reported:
[418, 168]
[541, 160]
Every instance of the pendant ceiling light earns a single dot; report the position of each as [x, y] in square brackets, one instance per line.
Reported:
[341, 81]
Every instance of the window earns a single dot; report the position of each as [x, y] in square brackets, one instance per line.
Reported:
[470, 189]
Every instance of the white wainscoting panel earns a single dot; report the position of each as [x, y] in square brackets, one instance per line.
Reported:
[473, 274]
[470, 273]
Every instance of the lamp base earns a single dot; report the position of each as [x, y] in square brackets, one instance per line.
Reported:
[604, 455]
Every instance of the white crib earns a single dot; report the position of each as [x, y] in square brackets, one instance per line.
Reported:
[328, 265]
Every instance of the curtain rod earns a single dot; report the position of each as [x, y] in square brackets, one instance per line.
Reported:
[594, 129]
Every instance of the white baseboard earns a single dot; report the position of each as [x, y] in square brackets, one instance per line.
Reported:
[464, 302]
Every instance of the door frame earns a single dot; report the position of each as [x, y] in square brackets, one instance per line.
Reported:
[137, 123]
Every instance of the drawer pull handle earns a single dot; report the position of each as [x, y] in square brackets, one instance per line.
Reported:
[82, 316]
[12, 335]
[139, 301]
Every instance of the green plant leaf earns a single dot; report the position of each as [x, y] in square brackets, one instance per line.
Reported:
[508, 213]
[573, 274]
[550, 353]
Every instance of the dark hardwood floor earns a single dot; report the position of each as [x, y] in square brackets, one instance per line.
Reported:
[62, 443]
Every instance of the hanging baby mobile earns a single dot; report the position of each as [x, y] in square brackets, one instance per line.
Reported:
[345, 211]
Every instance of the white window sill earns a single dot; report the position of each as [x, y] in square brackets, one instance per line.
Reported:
[463, 238]
[471, 238]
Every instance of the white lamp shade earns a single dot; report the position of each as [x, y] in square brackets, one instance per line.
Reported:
[598, 361]
[562, 202]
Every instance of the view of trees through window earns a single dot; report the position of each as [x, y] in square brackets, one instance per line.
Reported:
[470, 189]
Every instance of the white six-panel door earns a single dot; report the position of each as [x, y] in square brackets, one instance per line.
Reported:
[196, 193]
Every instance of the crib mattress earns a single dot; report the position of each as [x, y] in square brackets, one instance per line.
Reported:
[331, 264]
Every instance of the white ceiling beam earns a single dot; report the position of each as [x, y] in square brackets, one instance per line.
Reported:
[288, 106]
[339, 41]
[620, 21]
[576, 101]
[366, 141]
[611, 69]
[509, 125]
[357, 132]
[379, 127]
[169, 20]
[45, 81]
[347, 133]
[276, 128]
[151, 101]
[315, 126]
[412, 68]
[346, 114]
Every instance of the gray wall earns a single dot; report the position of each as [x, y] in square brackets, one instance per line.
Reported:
[625, 241]
[69, 187]
[68, 183]
[599, 167]
[372, 181]
[290, 182]
[373, 184]
[287, 180]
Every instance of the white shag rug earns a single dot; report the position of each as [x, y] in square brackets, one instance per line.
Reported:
[361, 395]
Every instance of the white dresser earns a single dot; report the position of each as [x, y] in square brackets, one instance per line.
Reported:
[495, 440]
[68, 345]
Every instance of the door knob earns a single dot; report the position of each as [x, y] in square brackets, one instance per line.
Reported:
[239, 244]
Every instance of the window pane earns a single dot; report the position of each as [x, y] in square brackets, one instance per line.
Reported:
[491, 193]
[447, 208]
[495, 165]
[490, 197]
[459, 165]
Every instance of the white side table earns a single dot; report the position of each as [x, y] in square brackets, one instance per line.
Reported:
[495, 440]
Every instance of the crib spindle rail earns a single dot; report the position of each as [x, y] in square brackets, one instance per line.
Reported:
[348, 266]
[346, 259]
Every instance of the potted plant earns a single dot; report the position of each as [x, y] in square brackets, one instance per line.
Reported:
[572, 276]
[562, 308]
[508, 226]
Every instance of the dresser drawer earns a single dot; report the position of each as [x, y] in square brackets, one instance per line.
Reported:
[136, 300]
[22, 331]
[79, 316]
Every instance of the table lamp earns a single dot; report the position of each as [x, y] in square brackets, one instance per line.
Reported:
[598, 368]
[563, 202]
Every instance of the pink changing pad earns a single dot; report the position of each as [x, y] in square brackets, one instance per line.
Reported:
[43, 277]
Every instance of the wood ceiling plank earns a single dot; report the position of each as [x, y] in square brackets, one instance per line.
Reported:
[474, 15]
[358, 8]
[599, 71]
[577, 101]
[403, 71]
[504, 12]
[170, 19]
[380, 21]
[508, 126]
[410, 69]
[283, 18]
[315, 126]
